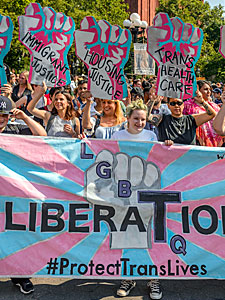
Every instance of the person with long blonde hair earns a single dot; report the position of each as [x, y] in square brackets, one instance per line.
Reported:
[23, 88]
[103, 126]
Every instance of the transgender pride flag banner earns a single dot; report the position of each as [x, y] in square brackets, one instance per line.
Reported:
[111, 209]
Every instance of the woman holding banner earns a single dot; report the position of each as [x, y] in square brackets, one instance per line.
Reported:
[206, 136]
[179, 128]
[136, 120]
[62, 120]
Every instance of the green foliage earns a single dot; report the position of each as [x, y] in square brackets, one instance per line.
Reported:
[114, 11]
[198, 13]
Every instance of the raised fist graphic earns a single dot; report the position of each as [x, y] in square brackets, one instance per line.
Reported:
[48, 37]
[6, 33]
[176, 47]
[105, 50]
[222, 41]
[114, 180]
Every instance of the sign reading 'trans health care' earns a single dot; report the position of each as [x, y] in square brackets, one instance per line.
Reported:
[176, 47]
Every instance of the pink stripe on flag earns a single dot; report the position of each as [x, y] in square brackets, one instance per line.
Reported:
[30, 260]
[48, 158]
[209, 174]
[213, 244]
[107, 256]
[216, 203]
[163, 155]
[161, 254]
[98, 145]
[26, 189]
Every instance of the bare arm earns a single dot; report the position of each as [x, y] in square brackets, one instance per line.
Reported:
[153, 119]
[21, 101]
[208, 115]
[31, 107]
[86, 118]
[219, 121]
[34, 126]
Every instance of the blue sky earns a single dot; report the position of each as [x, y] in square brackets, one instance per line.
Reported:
[216, 2]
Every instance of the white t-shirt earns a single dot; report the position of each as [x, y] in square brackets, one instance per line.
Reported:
[144, 135]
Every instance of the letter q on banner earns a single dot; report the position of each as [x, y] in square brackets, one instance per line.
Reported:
[48, 37]
[105, 50]
[176, 47]
[6, 33]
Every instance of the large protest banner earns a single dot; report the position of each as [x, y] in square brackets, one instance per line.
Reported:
[49, 227]
[48, 36]
[176, 48]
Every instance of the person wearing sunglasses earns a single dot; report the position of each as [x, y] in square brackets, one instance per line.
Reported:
[179, 128]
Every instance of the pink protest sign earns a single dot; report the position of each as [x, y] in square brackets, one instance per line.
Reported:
[6, 33]
[176, 47]
[48, 37]
[222, 41]
[105, 50]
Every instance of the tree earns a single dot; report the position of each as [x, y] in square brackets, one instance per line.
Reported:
[199, 13]
[114, 11]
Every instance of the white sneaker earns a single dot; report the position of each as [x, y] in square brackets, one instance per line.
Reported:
[125, 287]
[155, 290]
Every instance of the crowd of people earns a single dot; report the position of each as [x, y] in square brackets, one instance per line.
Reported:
[72, 112]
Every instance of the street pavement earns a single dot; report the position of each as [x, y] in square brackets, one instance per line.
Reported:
[58, 288]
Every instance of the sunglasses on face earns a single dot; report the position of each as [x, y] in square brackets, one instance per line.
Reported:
[173, 103]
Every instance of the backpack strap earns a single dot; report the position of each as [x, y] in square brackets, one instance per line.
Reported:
[97, 123]
[50, 122]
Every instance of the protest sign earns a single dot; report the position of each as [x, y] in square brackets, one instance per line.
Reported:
[105, 50]
[176, 47]
[222, 41]
[86, 209]
[6, 33]
[143, 62]
[48, 37]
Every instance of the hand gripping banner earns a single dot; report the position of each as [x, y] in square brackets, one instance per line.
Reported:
[6, 34]
[176, 47]
[104, 49]
[48, 37]
[111, 209]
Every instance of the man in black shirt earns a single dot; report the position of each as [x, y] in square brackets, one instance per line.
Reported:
[7, 110]
[179, 128]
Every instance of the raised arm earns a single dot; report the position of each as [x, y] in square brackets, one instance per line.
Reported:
[31, 107]
[208, 115]
[34, 126]
[86, 118]
[21, 101]
[157, 118]
[219, 121]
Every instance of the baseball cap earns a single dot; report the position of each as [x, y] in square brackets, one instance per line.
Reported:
[6, 105]
[217, 90]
